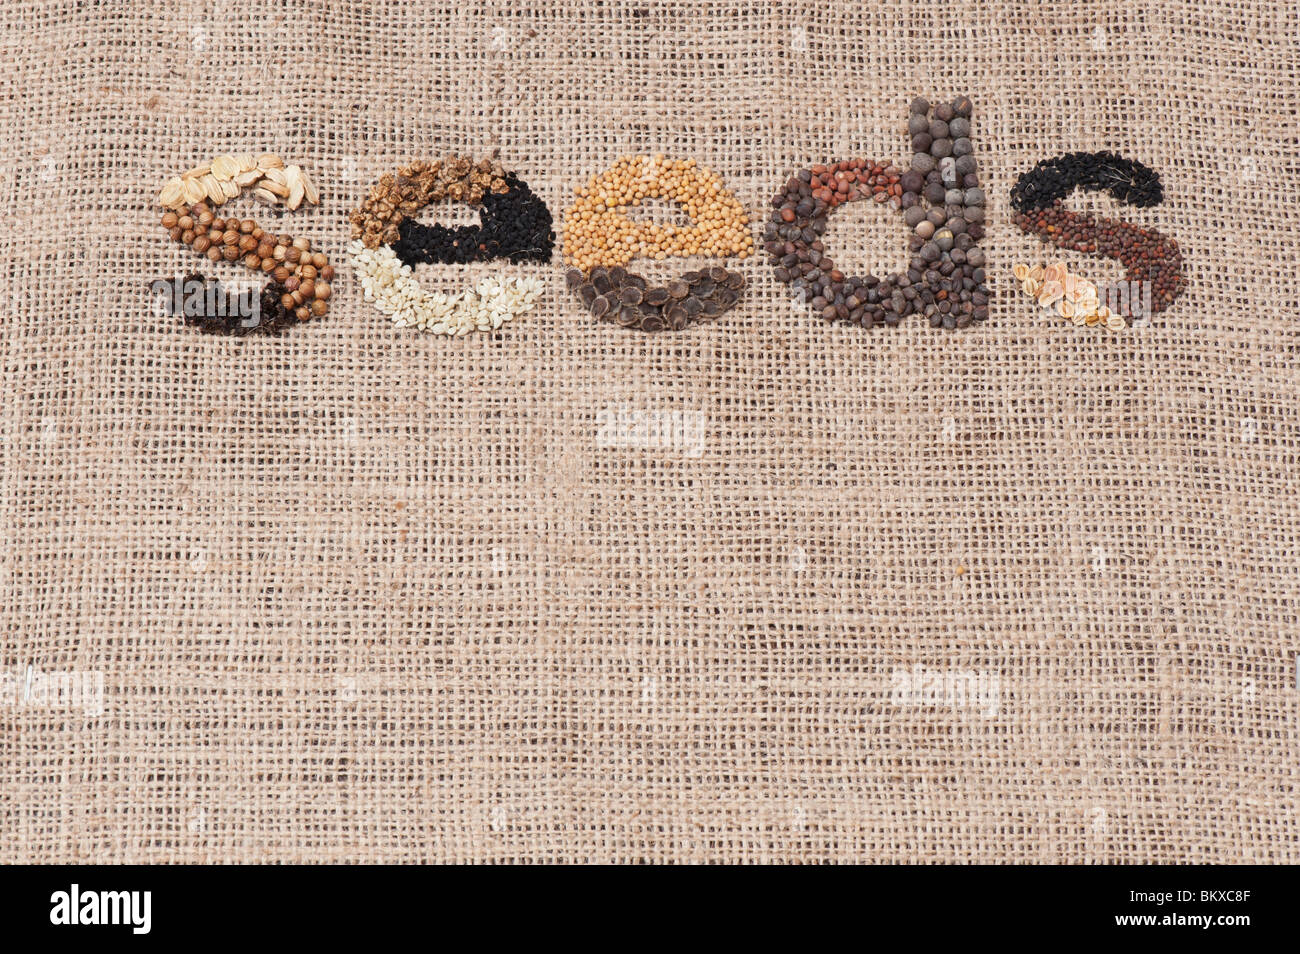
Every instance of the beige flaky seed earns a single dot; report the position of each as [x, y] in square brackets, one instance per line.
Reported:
[1067, 294]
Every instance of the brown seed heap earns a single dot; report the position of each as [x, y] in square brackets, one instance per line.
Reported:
[1147, 256]
[225, 177]
[600, 239]
[945, 277]
[615, 294]
[305, 275]
[597, 230]
[396, 197]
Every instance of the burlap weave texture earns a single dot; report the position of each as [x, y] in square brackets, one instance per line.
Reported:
[571, 593]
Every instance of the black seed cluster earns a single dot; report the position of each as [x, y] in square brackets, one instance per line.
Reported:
[627, 299]
[1127, 180]
[273, 317]
[945, 279]
[514, 225]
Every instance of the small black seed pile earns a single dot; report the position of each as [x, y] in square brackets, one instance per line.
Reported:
[210, 306]
[628, 300]
[945, 279]
[514, 225]
[1127, 180]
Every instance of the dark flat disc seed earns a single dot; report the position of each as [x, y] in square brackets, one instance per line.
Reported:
[573, 278]
[631, 295]
[692, 277]
[711, 308]
[678, 289]
[618, 275]
[636, 281]
[692, 306]
[735, 281]
[604, 284]
[588, 294]
[600, 306]
[703, 288]
[656, 296]
[727, 297]
[718, 273]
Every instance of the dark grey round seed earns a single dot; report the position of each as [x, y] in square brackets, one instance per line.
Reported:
[954, 197]
[944, 111]
[914, 216]
[920, 105]
[974, 197]
[975, 256]
[922, 163]
[962, 147]
[962, 106]
[940, 148]
[959, 127]
[938, 129]
[965, 165]
[916, 123]
[943, 239]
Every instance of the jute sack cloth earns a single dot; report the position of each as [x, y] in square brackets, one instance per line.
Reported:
[766, 590]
